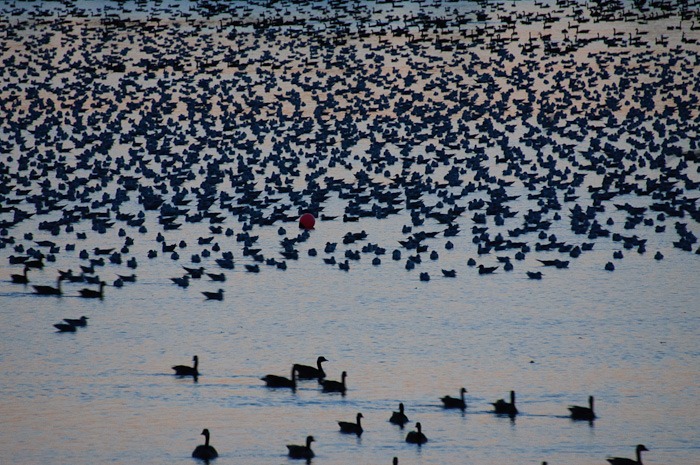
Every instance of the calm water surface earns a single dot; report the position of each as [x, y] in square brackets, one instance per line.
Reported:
[106, 394]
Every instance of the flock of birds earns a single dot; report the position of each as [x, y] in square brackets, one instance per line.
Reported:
[193, 121]
[270, 154]
[307, 372]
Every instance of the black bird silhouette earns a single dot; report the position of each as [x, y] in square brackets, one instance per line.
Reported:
[335, 386]
[93, 294]
[65, 327]
[77, 322]
[205, 451]
[507, 408]
[309, 372]
[455, 402]
[416, 437]
[20, 278]
[49, 290]
[275, 381]
[626, 461]
[583, 413]
[302, 452]
[352, 428]
[399, 418]
[184, 370]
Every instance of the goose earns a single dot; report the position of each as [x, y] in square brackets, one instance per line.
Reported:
[416, 437]
[77, 322]
[626, 461]
[452, 402]
[487, 270]
[65, 327]
[184, 370]
[399, 418]
[335, 386]
[309, 372]
[302, 452]
[205, 451]
[275, 381]
[583, 413]
[20, 278]
[218, 295]
[49, 290]
[351, 428]
[503, 407]
[93, 294]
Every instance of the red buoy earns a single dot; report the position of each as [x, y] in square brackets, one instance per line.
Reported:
[307, 221]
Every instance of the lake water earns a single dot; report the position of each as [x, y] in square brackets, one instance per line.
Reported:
[107, 394]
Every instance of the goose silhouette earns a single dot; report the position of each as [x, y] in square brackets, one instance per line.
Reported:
[205, 451]
[583, 413]
[452, 402]
[275, 381]
[49, 290]
[309, 372]
[335, 386]
[301, 452]
[93, 294]
[399, 418]
[352, 428]
[506, 408]
[626, 461]
[184, 370]
[416, 437]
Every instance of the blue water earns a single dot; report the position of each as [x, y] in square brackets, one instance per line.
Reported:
[106, 394]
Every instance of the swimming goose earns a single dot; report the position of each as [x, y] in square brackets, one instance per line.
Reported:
[205, 451]
[64, 327]
[452, 402]
[275, 381]
[503, 407]
[184, 370]
[335, 386]
[349, 427]
[399, 418]
[93, 294]
[77, 322]
[302, 452]
[20, 278]
[626, 461]
[49, 290]
[416, 437]
[583, 413]
[309, 372]
[218, 295]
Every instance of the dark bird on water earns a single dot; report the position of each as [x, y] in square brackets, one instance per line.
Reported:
[309, 372]
[507, 408]
[93, 294]
[302, 452]
[455, 402]
[49, 290]
[416, 437]
[335, 386]
[583, 413]
[218, 295]
[65, 327]
[184, 370]
[205, 451]
[77, 322]
[399, 418]
[352, 428]
[275, 381]
[20, 278]
[626, 461]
